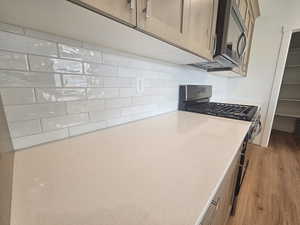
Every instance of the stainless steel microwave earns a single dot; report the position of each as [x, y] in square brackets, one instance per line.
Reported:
[230, 42]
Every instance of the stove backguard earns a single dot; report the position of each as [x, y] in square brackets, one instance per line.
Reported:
[188, 94]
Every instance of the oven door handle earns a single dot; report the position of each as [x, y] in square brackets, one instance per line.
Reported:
[240, 53]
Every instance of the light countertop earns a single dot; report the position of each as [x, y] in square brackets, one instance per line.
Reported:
[158, 171]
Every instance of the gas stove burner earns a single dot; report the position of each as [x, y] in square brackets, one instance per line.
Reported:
[235, 111]
[195, 98]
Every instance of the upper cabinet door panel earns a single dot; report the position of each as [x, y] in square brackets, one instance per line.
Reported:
[200, 27]
[121, 10]
[163, 19]
[243, 8]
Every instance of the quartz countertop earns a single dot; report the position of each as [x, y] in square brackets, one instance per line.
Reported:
[162, 170]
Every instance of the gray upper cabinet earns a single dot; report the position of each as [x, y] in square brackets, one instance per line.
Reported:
[122, 10]
[200, 27]
[163, 19]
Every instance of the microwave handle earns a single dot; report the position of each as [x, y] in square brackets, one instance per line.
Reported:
[238, 45]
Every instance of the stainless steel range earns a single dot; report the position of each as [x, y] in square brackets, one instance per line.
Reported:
[196, 98]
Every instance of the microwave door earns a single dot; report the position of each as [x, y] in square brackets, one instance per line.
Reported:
[236, 38]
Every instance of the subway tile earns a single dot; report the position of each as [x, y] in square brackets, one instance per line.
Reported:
[82, 54]
[14, 61]
[92, 46]
[28, 141]
[35, 111]
[28, 79]
[85, 106]
[46, 64]
[75, 81]
[142, 115]
[12, 96]
[93, 93]
[60, 122]
[129, 72]
[85, 128]
[25, 128]
[144, 100]
[11, 28]
[168, 107]
[152, 91]
[128, 92]
[150, 74]
[119, 82]
[138, 109]
[95, 81]
[60, 94]
[118, 121]
[19, 43]
[52, 37]
[114, 59]
[100, 69]
[155, 83]
[117, 103]
[126, 60]
[105, 115]
[167, 76]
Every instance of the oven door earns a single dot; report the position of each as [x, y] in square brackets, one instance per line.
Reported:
[231, 40]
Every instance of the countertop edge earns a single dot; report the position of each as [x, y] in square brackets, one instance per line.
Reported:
[213, 193]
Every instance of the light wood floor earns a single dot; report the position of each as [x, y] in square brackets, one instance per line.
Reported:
[270, 194]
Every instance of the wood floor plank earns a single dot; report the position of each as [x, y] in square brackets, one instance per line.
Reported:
[270, 194]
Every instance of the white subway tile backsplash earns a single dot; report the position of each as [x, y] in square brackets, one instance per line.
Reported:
[152, 91]
[75, 81]
[119, 82]
[25, 128]
[60, 122]
[144, 100]
[115, 59]
[82, 54]
[13, 96]
[100, 69]
[54, 83]
[117, 103]
[118, 121]
[20, 43]
[11, 28]
[138, 109]
[95, 81]
[27, 141]
[129, 72]
[93, 93]
[35, 111]
[46, 64]
[150, 74]
[85, 106]
[14, 61]
[128, 92]
[105, 115]
[85, 128]
[52, 37]
[28, 79]
[60, 94]
[143, 115]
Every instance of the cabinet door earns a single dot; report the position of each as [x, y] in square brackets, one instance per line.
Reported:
[163, 19]
[200, 27]
[243, 8]
[121, 10]
[248, 49]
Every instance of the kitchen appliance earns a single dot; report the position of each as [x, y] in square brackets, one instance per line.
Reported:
[230, 40]
[196, 98]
